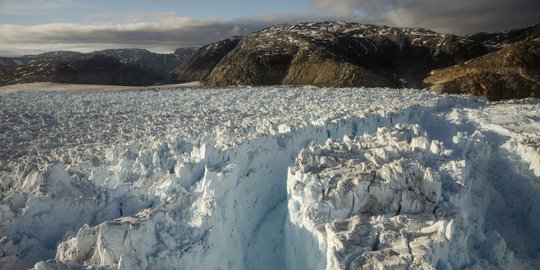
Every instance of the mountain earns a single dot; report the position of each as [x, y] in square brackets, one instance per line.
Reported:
[87, 69]
[500, 65]
[132, 66]
[183, 54]
[10, 62]
[332, 54]
[7, 62]
[201, 64]
[161, 63]
[511, 72]
[497, 40]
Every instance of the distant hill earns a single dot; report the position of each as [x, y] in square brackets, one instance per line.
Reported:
[130, 66]
[88, 69]
[160, 63]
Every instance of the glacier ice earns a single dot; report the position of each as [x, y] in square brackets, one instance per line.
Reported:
[268, 178]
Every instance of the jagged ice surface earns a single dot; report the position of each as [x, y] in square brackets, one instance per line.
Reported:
[268, 178]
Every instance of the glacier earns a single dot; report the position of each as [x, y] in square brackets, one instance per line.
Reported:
[268, 178]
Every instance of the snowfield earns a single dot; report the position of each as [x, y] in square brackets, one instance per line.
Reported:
[268, 178]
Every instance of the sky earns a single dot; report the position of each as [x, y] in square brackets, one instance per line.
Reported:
[36, 26]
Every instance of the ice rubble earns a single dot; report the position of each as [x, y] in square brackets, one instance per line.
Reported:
[391, 200]
[212, 180]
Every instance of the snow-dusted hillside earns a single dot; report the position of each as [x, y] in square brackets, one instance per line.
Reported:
[268, 178]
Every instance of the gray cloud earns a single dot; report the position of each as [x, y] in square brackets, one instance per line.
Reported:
[159, 32]
[463, 16]
[163, 35]
[347, 8]
[455, 16]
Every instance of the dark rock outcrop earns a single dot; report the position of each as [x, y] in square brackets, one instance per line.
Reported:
[204, 60]
[511, 72]
[336, 54]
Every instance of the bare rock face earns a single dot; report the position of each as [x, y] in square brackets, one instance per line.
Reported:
[511, 72]
[339, 54]
[202, 62]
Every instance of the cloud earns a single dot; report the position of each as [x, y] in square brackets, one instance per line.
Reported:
[347, 8]
[163, 35]
[158, 32]
[456, 16]
[464, 16]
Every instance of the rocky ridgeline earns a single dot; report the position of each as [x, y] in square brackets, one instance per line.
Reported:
[497, 40]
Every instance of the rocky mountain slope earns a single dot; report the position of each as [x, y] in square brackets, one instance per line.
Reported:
[202, 63]
[511, 72]
[337, 54]
[133, 66]
[340, 54]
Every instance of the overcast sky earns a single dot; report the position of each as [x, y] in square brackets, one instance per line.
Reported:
[34, 26]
